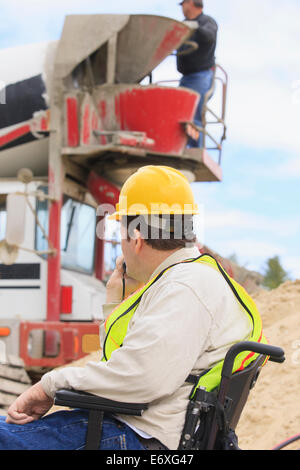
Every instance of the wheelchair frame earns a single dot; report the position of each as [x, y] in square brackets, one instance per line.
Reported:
[211, 417]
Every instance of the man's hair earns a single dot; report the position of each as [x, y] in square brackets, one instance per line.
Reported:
[198, 3]
[162, 232]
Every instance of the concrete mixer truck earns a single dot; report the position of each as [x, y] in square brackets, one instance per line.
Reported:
[77, 117]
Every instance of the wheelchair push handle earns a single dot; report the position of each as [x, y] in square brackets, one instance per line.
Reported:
[275, 354]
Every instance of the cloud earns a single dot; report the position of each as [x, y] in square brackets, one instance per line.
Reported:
[241, 220]
[291, 264]
[253, 237]
[24, 22]
[257, 48]
[289, 169]
[258, 31]
[253, 253]
[252, 249]
[262, 114]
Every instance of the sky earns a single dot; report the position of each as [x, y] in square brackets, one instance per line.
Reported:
[254, 212]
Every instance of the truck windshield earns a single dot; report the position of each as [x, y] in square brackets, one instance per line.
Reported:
[78, 229]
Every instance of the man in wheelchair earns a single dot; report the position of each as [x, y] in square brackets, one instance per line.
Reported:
[171, 317]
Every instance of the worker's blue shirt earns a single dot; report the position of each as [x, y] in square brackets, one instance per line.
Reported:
[204, 57]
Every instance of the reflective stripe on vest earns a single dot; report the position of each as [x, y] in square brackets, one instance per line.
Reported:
[117, 323]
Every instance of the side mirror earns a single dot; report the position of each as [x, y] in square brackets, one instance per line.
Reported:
[15, 222]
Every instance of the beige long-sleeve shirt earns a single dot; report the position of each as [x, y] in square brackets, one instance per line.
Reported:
[184, 324]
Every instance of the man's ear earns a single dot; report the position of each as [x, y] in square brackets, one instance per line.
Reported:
[139, 241]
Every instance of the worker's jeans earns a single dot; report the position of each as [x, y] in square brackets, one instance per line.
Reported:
[201, 82]
[65, 430]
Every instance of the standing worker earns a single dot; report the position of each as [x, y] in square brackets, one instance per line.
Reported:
[177, 315]
[197, 67]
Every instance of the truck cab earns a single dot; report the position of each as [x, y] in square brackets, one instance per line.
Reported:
[23, 284]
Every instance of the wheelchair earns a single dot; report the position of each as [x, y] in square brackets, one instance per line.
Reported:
[211, 417]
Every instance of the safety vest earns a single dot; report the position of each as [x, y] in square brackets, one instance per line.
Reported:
[117, 323]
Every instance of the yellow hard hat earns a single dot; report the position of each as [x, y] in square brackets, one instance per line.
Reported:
[156, 190]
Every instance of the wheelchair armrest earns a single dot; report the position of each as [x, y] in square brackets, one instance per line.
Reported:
[76, 399]
[276, 354]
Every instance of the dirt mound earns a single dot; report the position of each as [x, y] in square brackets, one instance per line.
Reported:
[272, 413]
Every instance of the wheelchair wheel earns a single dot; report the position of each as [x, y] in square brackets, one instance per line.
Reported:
[293, 443]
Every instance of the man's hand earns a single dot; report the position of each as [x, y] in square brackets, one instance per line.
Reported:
[114, 287]
[30, 406]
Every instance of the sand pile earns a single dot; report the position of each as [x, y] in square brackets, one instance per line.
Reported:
[272, 413]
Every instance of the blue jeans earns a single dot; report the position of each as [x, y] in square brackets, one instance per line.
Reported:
[200, 82]
[65, 430]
